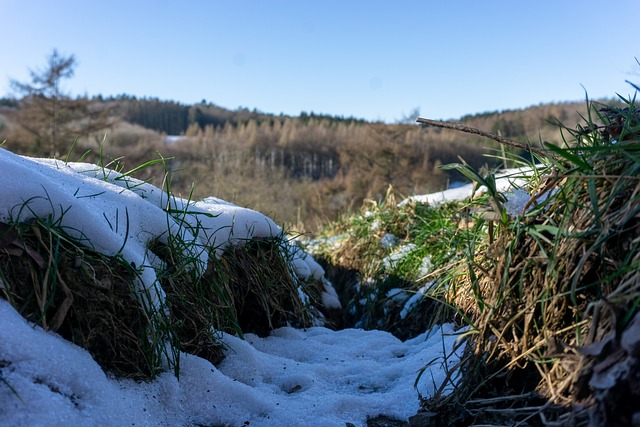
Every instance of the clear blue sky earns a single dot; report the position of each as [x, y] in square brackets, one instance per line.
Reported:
[372, 59]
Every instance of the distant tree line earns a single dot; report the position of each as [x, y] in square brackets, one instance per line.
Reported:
[163, 116]
[174, 118]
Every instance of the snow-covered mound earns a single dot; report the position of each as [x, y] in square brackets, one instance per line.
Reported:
[120, 215]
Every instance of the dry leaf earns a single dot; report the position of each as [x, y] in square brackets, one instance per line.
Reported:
[596, 348]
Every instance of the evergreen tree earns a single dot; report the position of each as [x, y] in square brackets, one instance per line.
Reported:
[50, 114]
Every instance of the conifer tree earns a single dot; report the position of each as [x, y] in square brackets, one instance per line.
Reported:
[49, 114]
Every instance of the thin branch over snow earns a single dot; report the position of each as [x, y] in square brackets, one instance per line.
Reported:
[467, 129]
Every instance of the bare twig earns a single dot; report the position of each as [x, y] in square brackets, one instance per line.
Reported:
[462, 128]
[491, 401]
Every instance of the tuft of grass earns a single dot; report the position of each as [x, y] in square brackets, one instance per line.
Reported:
[555, 285]
[84, 296]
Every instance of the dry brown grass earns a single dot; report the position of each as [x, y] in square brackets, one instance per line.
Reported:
[85, 297]
[553, 293]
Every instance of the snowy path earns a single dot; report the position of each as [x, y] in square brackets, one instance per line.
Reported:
[316, 377]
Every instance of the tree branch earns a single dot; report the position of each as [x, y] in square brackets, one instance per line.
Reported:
[462, 128]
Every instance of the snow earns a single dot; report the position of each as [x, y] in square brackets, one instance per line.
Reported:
[315, 377]
[391, 261]
[518, 200]
[389, 241]
[505, 181]
[415, 299]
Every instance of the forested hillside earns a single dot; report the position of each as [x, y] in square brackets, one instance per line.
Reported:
[324, 164]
